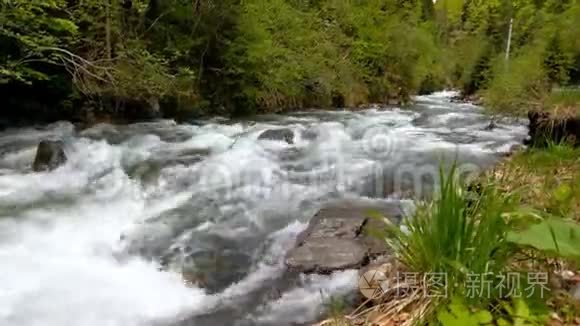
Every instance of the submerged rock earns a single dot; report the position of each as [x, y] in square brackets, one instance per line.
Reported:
[310, 133]
[339, 237]
[148, 172]
[285, 134]
[49, 155]
[491, 126]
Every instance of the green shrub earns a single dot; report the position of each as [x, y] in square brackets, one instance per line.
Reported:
[518, 86]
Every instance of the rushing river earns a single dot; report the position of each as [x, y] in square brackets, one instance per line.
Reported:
[188, 224]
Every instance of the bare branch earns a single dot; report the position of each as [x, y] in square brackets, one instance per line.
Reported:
[84, 72]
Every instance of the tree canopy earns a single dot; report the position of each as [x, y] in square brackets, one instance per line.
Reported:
[244, 56]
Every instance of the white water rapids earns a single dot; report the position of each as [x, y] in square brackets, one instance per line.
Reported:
[109, 238]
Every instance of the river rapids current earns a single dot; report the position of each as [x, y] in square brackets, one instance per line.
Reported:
[188, 224]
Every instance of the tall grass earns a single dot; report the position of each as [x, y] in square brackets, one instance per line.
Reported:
[565, 97]
[457, 234]
[548, 178]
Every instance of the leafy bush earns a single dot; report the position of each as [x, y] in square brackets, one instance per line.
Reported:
[27, 29]
[518, 87]
[290, 54]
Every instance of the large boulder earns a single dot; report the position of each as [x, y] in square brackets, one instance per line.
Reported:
[545, 128]
[49, 155]
[340, 237]
[285, 134]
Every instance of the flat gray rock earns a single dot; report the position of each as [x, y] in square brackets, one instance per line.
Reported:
[325, 255]
[338, 237]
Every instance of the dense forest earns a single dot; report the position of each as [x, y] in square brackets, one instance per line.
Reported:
[79, 58]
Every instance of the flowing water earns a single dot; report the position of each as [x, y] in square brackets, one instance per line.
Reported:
[187, 224]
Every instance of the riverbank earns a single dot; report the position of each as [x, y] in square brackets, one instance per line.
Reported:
[531, 202]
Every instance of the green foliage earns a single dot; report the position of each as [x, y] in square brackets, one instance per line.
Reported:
[27, 29]
[457, 313]
[337, 308]
[544, 55]
[518, 87]
[545, 159]
[516, 313]
[281, 55]
[269, 55]
[244, 55]
[552, 235]
[520, 314]
[547, 179]
[291, 55]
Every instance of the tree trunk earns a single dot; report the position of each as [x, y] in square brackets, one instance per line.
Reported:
[108, 29]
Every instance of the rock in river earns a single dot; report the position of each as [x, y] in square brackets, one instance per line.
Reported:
[285, 134]
[49, 155]
[338, 238]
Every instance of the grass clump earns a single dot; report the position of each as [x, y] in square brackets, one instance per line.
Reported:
[548, 179]
[456, 234]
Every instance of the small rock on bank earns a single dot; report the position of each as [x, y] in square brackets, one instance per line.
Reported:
[49, 155]
[338, 238]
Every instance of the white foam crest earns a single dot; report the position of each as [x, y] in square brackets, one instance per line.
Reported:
[507, 148]
[305, 303]
[211, 140]
[95, 156]
[442, 95]
[60, 262]
[29, 135]
[452, 116]
[271, 264]
[269, 267]
[236, 167]
[22, 189]
[19, 159]
[98, 128]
